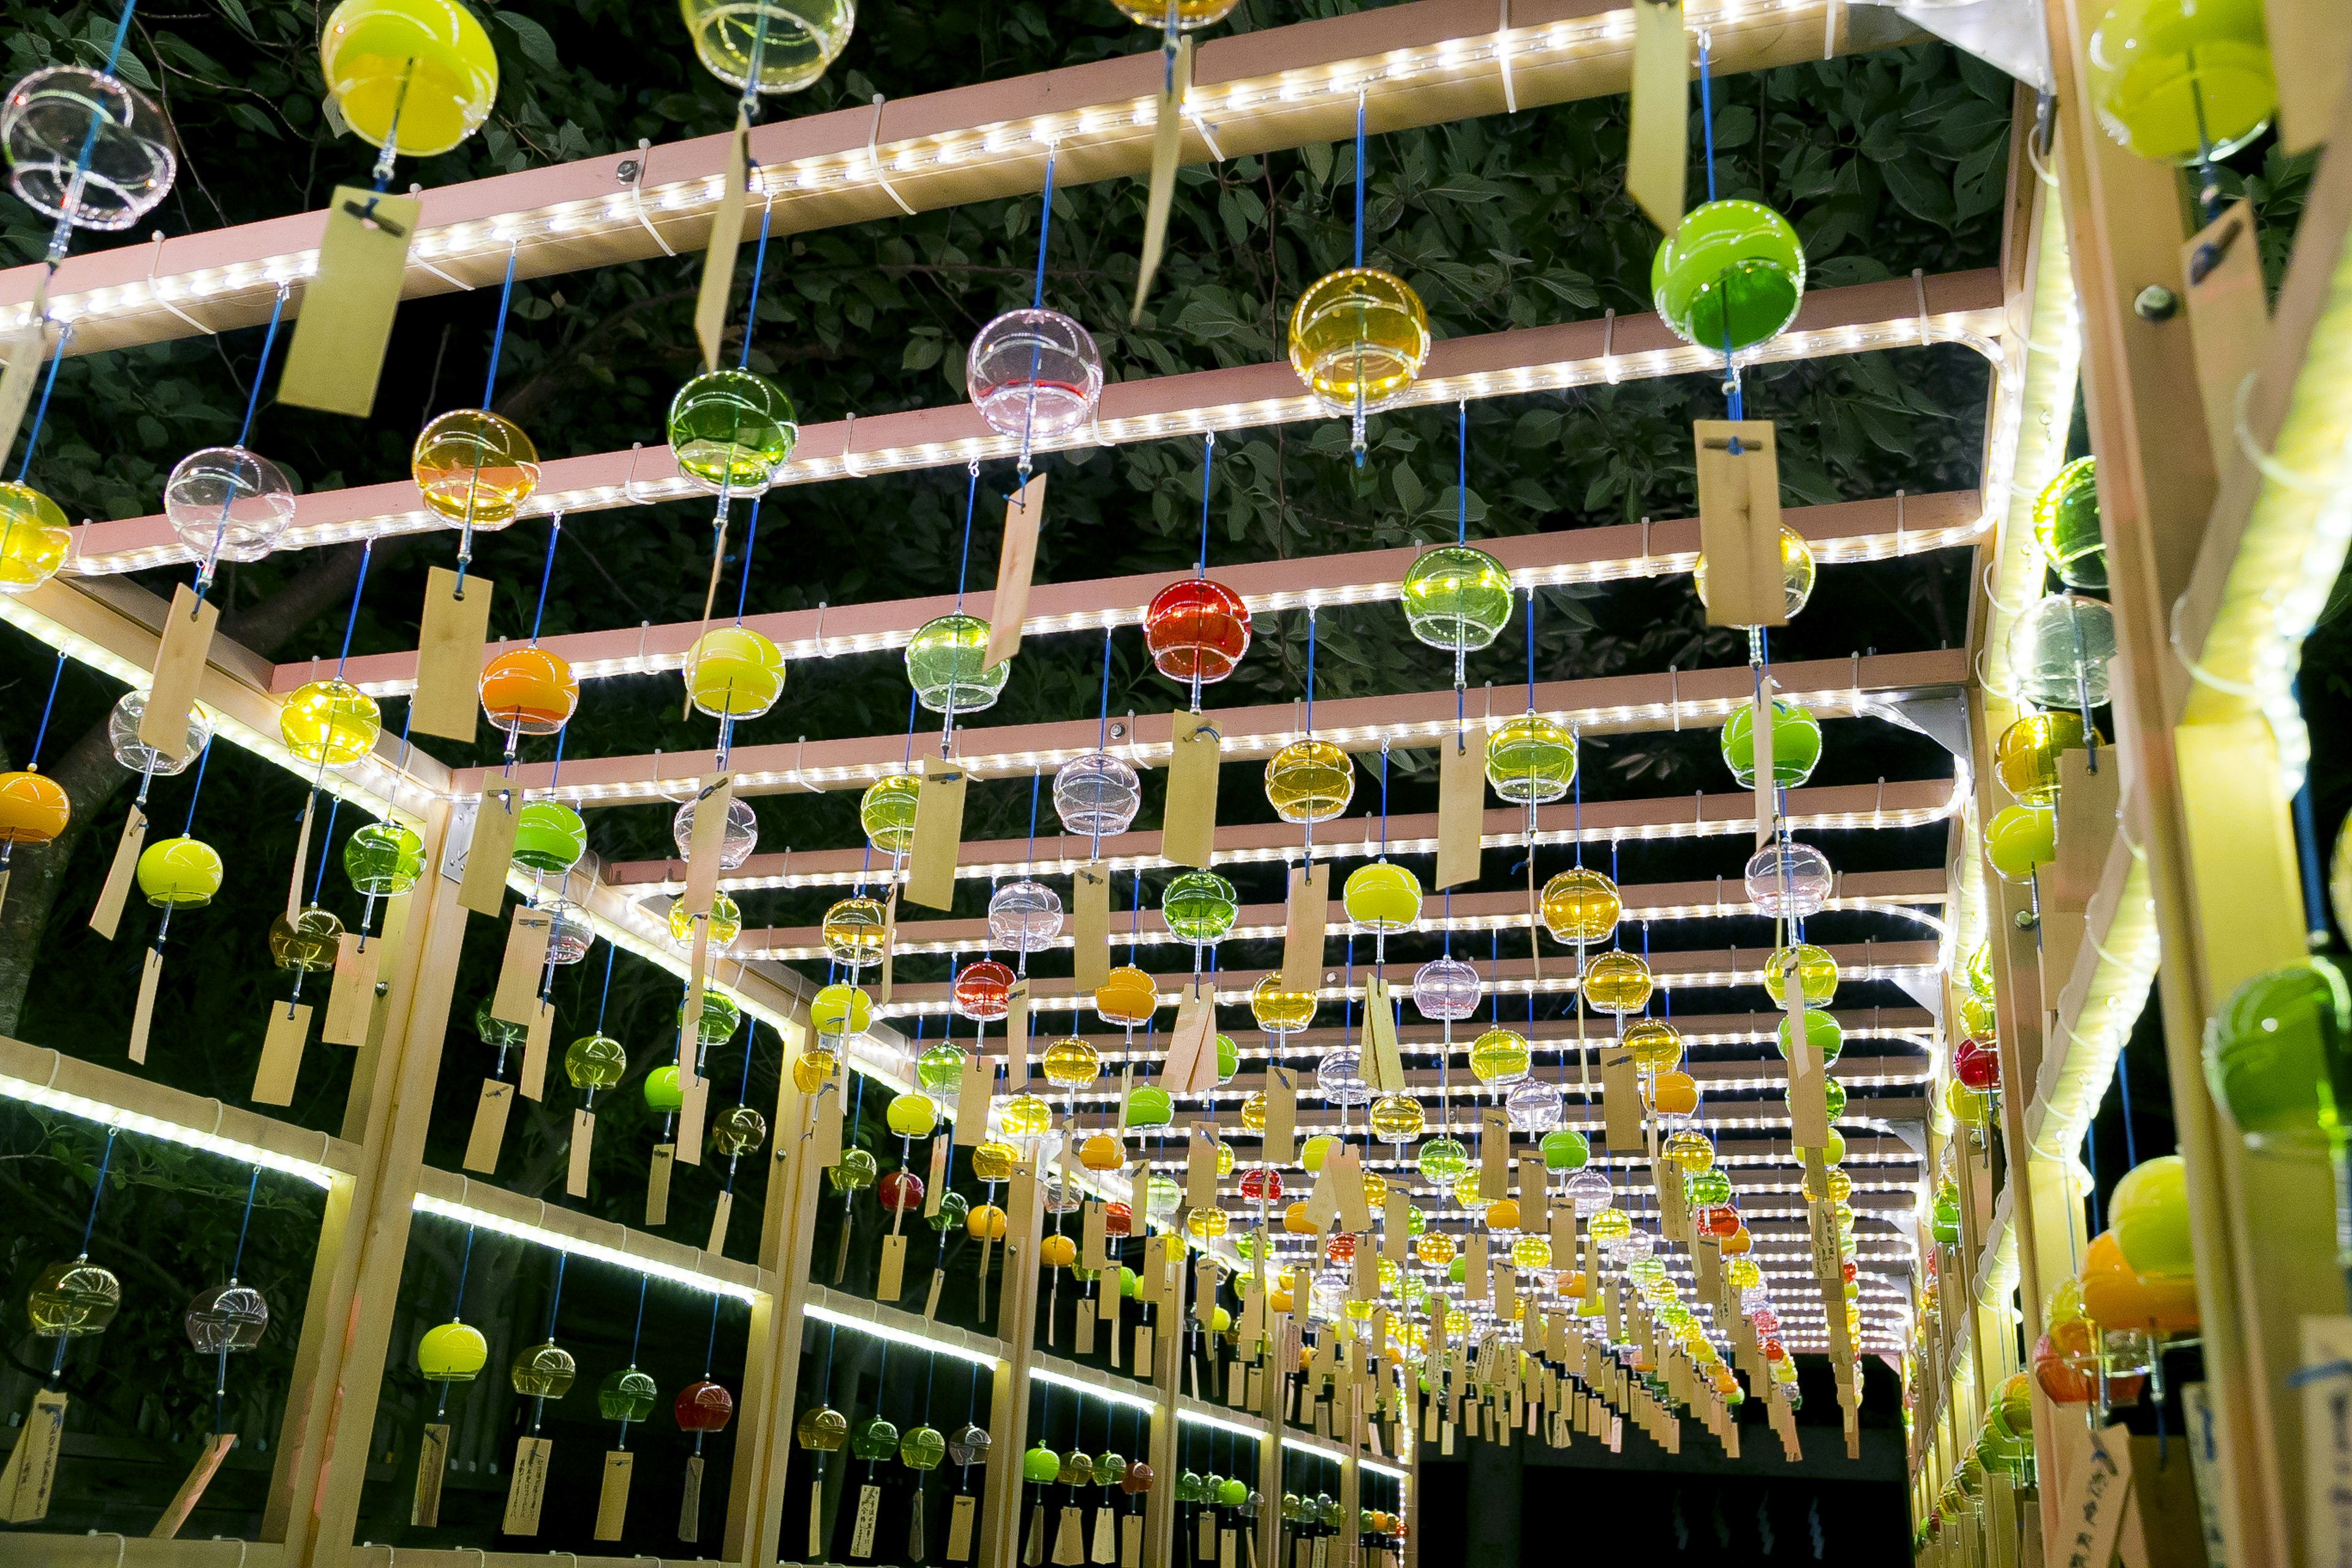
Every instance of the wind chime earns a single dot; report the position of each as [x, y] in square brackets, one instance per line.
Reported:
[540, 1372]
[68, 1302]
[702, 1407]
[449, 1353]
[627, 1395]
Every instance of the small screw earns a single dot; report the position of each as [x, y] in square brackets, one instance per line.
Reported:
[626, 173]
[2155, 303]
[2027, 919]
[1119, 732]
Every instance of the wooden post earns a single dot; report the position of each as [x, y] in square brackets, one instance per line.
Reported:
[999, 1545]
[1167, 1365]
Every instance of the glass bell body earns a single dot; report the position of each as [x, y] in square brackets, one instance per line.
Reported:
[736, 840]
[732, 430]
[1398, 1118]
[1033, 374]
[725, 922]
[452, 1353]
[1199, 907]
[1279, 1012]
[1340, 1078]
[1096, 795]
[2180, 80]
[1357, 338]
[947, 664]
[1654, 1045]
[1617, 983]
[2027, 756]
[1383, 895]
[86, 147]
[594, 1062]
[419, 75]
[2059, 650]
[529, 691]
[542, 1371]
[1072, 1063]
[1787, 880]
[226, 1319]
[307, 942]
[983, 989]
[1579, 905]
[1025, 916]
[1534, 1105]
[627, 1395]
[854, 929]
[1796, 744]
[788, 43]
[227, 503]
[34, 538]
[474, 468]
[886, 813]
[1456, 597]
[549, 836]
[1309, 781]
[34, 807]
[2017, 839]
[1445, 989]
[1531, 760]
[179, 873]
[1499, 1056]
[1730, 277]
[68, 1300]
[1196, 629]
[734, 672]
[330, 722]
[1817, 974]
[2271, 1047]
[2066, 525]
[383, 859]
[1127, 998]
[839, 1010]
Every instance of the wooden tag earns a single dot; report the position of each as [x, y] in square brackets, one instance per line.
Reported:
[1657, 142]
[143, 1012]
[1069, 1539]
[1809, 1111]
[2092, 1505]
[584, 1135]
[1104, 1548]
[2229, 318]
[960, 1512]
[1016, 564]
[1494, 1153]
[705, 843]
[1033, 1555]
[1302, 938]
[690, 1501]
[179, 667]
[870, 1514]
[348, 303]
[939, 834]
[1383, 1064]
[1191, 1066]
[1143, 1343]
[1475, 1269]
[449, 641]
[1167, 152]
[971, 1102]
[1621, 1098]
[483, 887]
[281, 1053]
[32, 1470]
[2309, 49]
[1188, 833]
[351, 995]
[816, 1521]
[1200, 1167]
[515, 1000]
[1207, 1548]
[1346, 1168]
[892, 1281]
[431, 1460]
[527, 1486]
[1395, 1223]
[536, 1049]
[885, 982]
[1094, 1234]
[613, 1494]
[665, 1155]
[1084, 1331]
[724, 1210]
[1739, 522]
[1206, 1273]
[825, 1127]
[2325, 1383]
[694, 1097]
[1280, 1145]
[718, 260]
[1091, 923]
[214, 1449]
[489, 1126]
[116, 889]
[1131, 1541]
[1534, 1195]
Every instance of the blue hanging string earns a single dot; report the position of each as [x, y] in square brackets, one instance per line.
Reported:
[1360, 178]
[252, 395]
[98, 1182]
[465, 1265]
[319, 882]
[546, 575]
[555, 1293]
[41, 409]
[751, 540]
[2123, 1087]
[33, 763]
[499, 334]
[605, 1000]
[1462, 473]
[970, 498]
[204, 761]
[1208, 466]
[238, 1260]
[759, 261]
[1044, 225]
[351, 617]
[1531, 647]
[1706, 131]
[1310, 669]
[710, 1348]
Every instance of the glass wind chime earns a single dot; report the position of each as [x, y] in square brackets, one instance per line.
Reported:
[1359, 336]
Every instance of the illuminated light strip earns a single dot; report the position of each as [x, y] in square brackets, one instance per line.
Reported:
[894, 1331]
[1917, 803]
[693, 1280]
[1107, 130]
[1158, 936]
[49, 1098]
[1102, 1391]
[1340, 1456]
[1533, 359]
[1836, 531]
[1852, 687]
